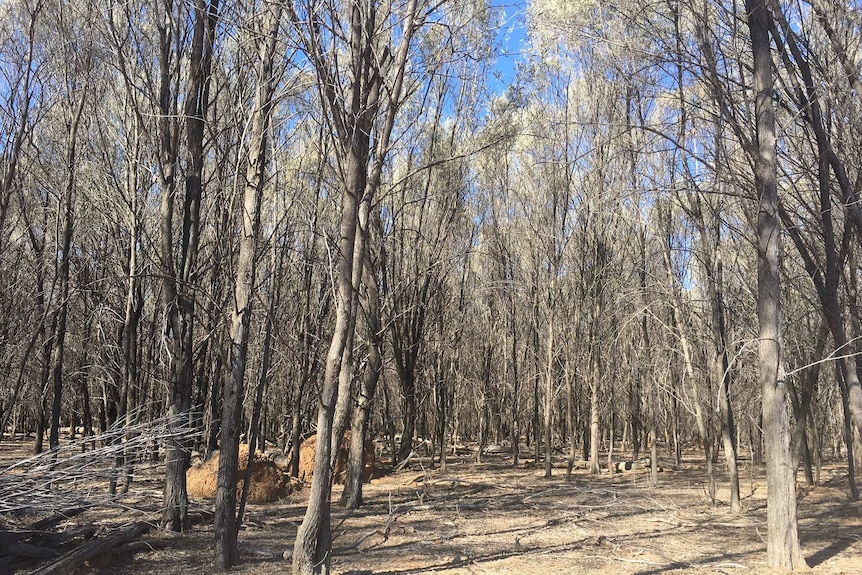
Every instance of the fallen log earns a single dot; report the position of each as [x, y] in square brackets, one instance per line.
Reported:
[46, 537]
[18, 549]
[93, 548]
[24, 548]
[57, 518]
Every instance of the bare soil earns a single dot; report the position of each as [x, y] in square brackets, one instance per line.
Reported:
[491, 518]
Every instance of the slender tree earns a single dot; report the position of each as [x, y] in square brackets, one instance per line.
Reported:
[226, 527]
[782, 543]
[352, 112]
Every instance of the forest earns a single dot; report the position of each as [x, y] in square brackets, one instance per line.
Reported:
[582, 229]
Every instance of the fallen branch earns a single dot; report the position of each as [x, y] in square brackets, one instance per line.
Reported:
[453, 481]
[133, 547]
[68, 477]
[355, 545]
[404, 463]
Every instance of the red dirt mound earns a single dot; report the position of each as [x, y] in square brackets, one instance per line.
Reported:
[306, 459]
[268, 482]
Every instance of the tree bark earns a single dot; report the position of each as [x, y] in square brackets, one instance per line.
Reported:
[178, 275]
[782, 545]
[595, 374]
[226, 527]
[549, 365]
[720, 360]
[59, 340]
[312, 549]
[351, 496]
[802, 407]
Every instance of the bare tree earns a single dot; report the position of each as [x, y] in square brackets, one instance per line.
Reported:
[352, 112]
[782, 544]
[226, 552]
[178, 266]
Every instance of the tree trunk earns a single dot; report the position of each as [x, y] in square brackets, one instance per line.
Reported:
[345, 377]
[351, 496]
[226, 527]
[408, 420]
[215, 401]
[59, 340]
[311, 552]
[516, 386]
[177, 289]
[595, 373]
[653, 416]
[802, 407]
[721, 371]
[782, 545]
[570, 419]
[549, 374]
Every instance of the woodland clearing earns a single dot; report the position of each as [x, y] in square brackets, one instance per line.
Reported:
[492, 518]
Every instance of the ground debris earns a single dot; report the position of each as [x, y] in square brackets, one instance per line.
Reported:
[44, 551]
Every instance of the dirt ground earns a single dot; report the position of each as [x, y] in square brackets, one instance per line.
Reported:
[491, 518]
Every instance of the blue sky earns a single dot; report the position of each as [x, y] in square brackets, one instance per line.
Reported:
[511, 36]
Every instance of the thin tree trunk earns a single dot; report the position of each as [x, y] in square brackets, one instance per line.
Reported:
[516, 384]
[351, 496]
[311, 554]
[226, 526]
[782, 545]
[345, 377]
[570, 419]
[549, 379]
[595, 377]
[58, 348]
[802, 407]
[595, 373]
[128, 371]
[177, 289]
[653, 416]
[721, 370]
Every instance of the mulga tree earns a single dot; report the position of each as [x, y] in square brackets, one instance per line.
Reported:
[782, 543]
[226, 526]
[178, 258]
[360, 98]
